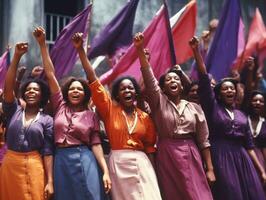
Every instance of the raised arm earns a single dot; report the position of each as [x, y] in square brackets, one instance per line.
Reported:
[78, 44]
[152, 88]
[194, 44]
[10, 82]
[139, 44]
[39, 34]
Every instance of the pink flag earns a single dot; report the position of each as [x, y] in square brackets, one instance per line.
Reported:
[183, 26]
[256, 36]
[4, 62]
[63, 54]
[157, 41]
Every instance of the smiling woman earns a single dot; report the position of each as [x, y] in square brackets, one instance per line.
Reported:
[131, 134]
[232, 147]
[26, 172]
[78, 145]
[182, 135]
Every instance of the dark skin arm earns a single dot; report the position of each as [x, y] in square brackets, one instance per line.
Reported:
[257, 164]
[39, 34]
[194, 44]
[206, 155]
[78, 44]
[10, 81]
[77, 41]
[48, 166]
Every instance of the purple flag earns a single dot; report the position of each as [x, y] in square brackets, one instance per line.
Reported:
[63, 54]
[117, 34]
[4, 63]
[224, 47]
[160, 61]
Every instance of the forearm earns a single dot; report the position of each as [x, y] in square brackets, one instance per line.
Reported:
[255, 160]
[199, 60]
[48, 166]
[47, 62]
[142, 58]
[98, 153]
[206, 155]
[86, 65]
[49, 69]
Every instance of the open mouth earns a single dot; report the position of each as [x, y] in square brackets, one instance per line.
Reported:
[173, 86]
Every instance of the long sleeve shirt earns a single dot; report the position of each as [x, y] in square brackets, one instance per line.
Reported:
[143, 136]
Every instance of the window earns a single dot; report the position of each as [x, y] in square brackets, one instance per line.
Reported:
[57, 15]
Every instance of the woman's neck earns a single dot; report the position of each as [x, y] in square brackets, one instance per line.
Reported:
[78, 108]
[31, 110]
[255, 117]
[176, 100]
[128, 109]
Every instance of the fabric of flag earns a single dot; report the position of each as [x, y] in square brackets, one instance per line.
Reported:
[157, 41]
[63, 53]
[224, 47]
[117, 34]
[4, 63]
[183, 25]
[256, 42]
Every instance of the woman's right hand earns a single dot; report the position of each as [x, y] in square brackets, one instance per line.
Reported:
[21, 48]
[194, 42]
[77, 40]
[39, 34]
[138, 40]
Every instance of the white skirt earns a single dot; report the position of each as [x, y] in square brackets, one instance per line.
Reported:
[133, 176]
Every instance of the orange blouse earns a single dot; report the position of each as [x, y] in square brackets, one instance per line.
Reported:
[143, 136]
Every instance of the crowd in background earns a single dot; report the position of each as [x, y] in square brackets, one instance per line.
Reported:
[172, 138]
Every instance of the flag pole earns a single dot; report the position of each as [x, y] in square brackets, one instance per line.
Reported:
[169, 32]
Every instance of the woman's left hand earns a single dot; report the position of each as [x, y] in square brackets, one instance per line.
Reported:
[48, 190]
[263, 178]
[107, 182]
[210, 177]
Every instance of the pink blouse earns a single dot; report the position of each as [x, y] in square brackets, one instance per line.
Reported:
[74, 127]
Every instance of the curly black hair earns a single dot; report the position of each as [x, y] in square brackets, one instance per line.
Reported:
[45, 91]
[87, 92]
[116, 84]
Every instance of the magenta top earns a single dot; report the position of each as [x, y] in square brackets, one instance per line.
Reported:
[75, 128]
[171, 121]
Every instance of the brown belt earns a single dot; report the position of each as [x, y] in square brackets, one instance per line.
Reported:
[65, 145]
[183, 136]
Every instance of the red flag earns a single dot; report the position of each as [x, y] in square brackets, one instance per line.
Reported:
[157, 41]
[183, 26]
[4, 62]
[256, 38]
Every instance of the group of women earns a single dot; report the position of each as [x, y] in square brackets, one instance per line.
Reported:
[173, 152]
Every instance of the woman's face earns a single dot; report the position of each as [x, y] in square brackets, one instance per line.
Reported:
[76, 93]
[172, 84]
[228, 93]
[257, 104]
[193, 94]
[126, 93]
[33, 94]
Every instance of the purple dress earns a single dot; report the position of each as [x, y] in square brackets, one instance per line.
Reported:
[182, 133]
[236, 176]
[260, 140]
